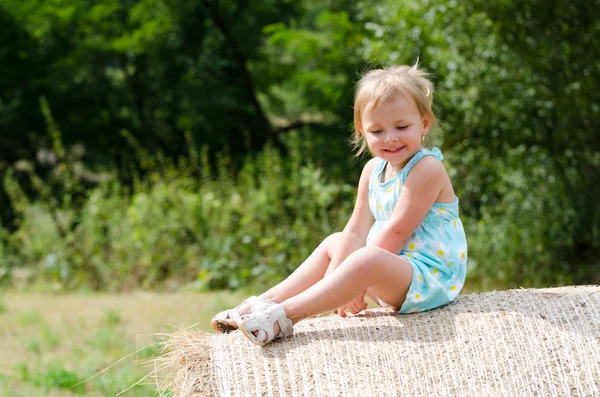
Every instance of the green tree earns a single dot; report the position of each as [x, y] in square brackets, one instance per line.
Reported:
[517, 97]
[152, 67]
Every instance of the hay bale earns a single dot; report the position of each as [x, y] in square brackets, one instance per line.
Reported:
[543, 342]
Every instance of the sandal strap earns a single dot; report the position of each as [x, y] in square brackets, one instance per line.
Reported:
[263, 322]
[256, 305]
[286, 327]
[264, 335]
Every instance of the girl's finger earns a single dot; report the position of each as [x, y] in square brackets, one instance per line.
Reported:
[354, 308]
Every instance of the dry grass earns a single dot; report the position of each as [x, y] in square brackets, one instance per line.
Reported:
[522, 342]
[51, 342]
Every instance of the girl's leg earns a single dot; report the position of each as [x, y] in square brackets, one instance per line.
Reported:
[386, 275]
[328, 255]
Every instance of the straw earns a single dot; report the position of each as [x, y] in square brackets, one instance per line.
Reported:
[543, 342]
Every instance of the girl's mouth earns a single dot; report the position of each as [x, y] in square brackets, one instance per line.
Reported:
[394, 150]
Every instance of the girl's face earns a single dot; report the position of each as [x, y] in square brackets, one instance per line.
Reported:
[394, 130]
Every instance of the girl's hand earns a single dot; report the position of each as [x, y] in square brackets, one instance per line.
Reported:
[355, 307]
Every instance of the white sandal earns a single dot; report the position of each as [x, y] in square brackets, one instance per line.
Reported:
[263, 322]
[226, 321]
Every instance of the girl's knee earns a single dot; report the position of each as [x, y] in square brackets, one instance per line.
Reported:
[339, 246]
[333, 237]
[366, 259]
[341, 238]
[369, 253]
[331, 243]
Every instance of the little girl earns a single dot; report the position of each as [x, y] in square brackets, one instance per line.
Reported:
[404, 245]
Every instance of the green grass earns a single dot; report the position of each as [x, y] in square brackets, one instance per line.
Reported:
[71, 344]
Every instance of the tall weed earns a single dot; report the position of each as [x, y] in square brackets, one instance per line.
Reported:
[182, 221]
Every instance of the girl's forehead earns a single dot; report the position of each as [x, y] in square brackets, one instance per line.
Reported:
[397, 104]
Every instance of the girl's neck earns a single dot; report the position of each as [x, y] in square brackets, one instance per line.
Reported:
[391, 170]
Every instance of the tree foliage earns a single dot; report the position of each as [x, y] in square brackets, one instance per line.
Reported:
[516, 93]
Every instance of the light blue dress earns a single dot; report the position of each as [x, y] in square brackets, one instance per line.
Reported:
[437, 249]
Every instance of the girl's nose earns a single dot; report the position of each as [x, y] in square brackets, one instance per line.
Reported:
[390, 138]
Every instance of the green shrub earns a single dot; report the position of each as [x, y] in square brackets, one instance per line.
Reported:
[184, 221]
[523, 235]
[232, 225]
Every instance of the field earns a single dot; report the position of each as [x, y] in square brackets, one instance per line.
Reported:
[54, 344]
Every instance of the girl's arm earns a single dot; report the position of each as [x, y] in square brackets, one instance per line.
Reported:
[426, 183]
[356, 230]
[355, 234]
[361, 220]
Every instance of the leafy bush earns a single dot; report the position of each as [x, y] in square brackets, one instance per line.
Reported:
[186, 221]
[183, 221]
[523, 236]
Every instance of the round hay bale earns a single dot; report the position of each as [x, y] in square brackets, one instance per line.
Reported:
[540, 342]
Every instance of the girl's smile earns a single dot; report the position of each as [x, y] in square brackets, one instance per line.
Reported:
[394, 150]
[394, 129]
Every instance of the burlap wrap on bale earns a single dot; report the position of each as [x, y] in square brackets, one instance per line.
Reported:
[543, 342]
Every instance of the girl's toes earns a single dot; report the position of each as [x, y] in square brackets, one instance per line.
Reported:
[245, 309]
[276, 330]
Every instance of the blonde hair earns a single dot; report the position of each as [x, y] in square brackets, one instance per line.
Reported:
[378, 85]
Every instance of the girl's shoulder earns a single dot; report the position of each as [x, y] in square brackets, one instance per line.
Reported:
[371, 164]
[369, 167]
[429, 174]
[428, 167]
[426, 163]
[367, 171]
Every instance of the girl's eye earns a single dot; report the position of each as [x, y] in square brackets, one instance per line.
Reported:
[375, 132]
[401, 127]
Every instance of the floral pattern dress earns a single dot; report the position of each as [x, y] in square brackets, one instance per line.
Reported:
[437, 249]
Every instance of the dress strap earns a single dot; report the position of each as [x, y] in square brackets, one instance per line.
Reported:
[376, 172]
[418, 156]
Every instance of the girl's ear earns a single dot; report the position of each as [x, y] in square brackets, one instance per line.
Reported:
[426, 124]
[360, 127]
